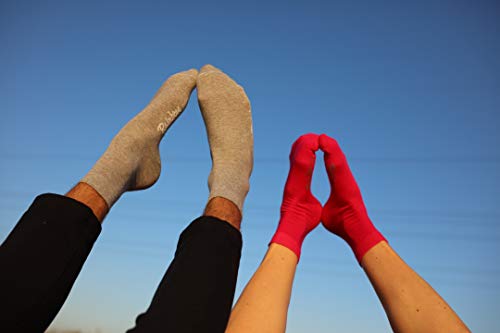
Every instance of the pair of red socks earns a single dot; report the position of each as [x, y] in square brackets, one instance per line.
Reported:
[344, 213]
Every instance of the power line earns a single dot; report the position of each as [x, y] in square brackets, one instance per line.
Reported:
[335, 272]
[153, 217]
[254, 207]
[284, 159]
[156, 217]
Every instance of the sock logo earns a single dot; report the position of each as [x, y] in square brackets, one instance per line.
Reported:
[171, 115]
[162, 128]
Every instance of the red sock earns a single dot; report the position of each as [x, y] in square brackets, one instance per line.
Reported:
[344, 213]
[300, 210]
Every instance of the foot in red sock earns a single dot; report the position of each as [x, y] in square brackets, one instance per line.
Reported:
[300, 210]
[344, 213]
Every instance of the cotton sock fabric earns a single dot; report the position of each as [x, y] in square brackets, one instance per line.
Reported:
[132, 160]
[300, 210]
[228, 119]
[344, 213]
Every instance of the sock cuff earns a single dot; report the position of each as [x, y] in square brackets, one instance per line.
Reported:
[236, 195]
[287, 241]
[360, 247]
[107, 182]
[94, 180]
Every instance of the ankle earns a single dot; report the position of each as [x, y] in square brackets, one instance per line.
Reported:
[364, 239]
[87, 195]
[230, 181]
[225, 210]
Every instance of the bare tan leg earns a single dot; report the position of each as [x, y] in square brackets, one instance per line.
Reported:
[263, 305]
[88, 196]
[225, 210]
[409, 302]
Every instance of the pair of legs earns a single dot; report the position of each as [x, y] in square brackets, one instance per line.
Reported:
[410, 303]
[43, 255]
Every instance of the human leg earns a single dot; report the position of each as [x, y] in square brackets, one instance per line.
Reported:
[41, 259]
[409, 302]
[228, 119]
[263, 305]
[197, 291]
[132, 160]
[43, 255]
[85, 194]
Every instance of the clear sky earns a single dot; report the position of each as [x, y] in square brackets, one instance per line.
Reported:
[410, 89]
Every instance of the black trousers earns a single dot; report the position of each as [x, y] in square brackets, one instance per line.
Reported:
[43, 255]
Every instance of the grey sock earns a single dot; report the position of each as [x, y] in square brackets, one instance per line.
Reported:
[132, 160]
[228, 119]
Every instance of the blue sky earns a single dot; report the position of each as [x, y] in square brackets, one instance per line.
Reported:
[410, 89]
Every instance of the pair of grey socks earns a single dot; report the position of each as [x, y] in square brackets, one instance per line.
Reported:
[132, 160]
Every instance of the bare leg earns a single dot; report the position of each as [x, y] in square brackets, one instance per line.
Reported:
[263, 305]
[225, 210]
[85, 194]
[409, 302]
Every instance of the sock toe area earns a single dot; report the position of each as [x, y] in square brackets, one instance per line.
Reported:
[187, 77]
[193, 72]
[209, 68]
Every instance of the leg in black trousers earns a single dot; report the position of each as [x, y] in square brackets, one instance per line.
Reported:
[197, 291]
[41, 259]
[43, 255]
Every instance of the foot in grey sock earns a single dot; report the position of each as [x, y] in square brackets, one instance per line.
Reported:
[132, 160]
[228, 119]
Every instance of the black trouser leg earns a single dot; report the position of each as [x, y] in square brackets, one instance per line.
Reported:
[197, 291]
[40, 260]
